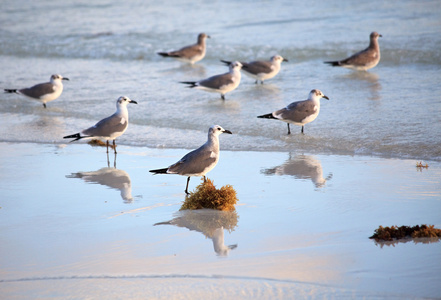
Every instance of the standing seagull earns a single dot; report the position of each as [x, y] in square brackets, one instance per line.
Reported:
[261, 70]
[43, 92]
[109, 128]
[222, 83]
[189, 54]
[300, 112]
[363, 60]
[200, 161]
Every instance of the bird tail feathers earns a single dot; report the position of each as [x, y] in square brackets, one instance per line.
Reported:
[192, 84]
[75, 136]
[11, 91]
[159, 171]
[333, 63]
[267, 116]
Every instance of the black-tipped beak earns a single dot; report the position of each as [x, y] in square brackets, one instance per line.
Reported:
[227, 131]
[65, 78]
[209, 37]
[133, 101]
[326, 97]
[285, 59]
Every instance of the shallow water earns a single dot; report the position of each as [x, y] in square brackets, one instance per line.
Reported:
[301, 227]
[107, 49]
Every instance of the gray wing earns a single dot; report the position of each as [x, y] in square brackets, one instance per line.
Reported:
[296, 111]
[38, 90]
[187, 52]
[194, 162]
[257, 67]
[217, 81]
[107, 126]
[361, 58]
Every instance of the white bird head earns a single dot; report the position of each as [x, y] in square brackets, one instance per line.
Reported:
[123, 101]
[235, 65]
[57, 77]
[278, 59]
[216, 130]
[317, 95]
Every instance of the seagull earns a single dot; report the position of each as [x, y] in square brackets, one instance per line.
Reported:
[43, 92]
[222, 83]
[261, 70]
[300, 112]
[200, 161]
[363, 60]
[109, 128]
[189, 54]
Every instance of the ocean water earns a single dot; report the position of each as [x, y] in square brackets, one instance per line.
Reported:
[108, 49]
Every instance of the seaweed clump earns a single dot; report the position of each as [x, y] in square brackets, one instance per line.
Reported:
[395, 232]
[207, 196]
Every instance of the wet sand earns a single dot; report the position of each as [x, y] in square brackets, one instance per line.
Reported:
[73, 227]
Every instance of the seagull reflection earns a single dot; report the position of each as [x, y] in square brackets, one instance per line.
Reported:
[210, 223]
[301, 167]
[111, 177]
[371, 79]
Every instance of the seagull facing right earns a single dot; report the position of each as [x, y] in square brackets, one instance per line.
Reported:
[189, 54]
[200, 161]
[261, 69]
[109, 128]
[43, 92]
[222, 83]
[363, 60]
[300, 112]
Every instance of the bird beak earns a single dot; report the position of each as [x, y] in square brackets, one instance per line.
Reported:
[209, 37]
[133, 101]
[227, 131]
[285, 59]
[326, 97]
[64, 78]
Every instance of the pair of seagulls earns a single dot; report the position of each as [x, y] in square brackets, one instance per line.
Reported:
[227, 82]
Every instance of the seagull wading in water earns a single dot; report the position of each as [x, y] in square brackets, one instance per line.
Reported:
[109, 128]
[43, 92]
[200, 161]
[300, 112]
[363, 60]
[222, 83]
[260, 69]
[190, 54]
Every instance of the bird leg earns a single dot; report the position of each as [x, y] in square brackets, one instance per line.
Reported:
[107, 145]
[44, 105]
[114, 146]
[289, 130]
[302, 129]
[223, 96]
[205, 179]
[186, 188]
